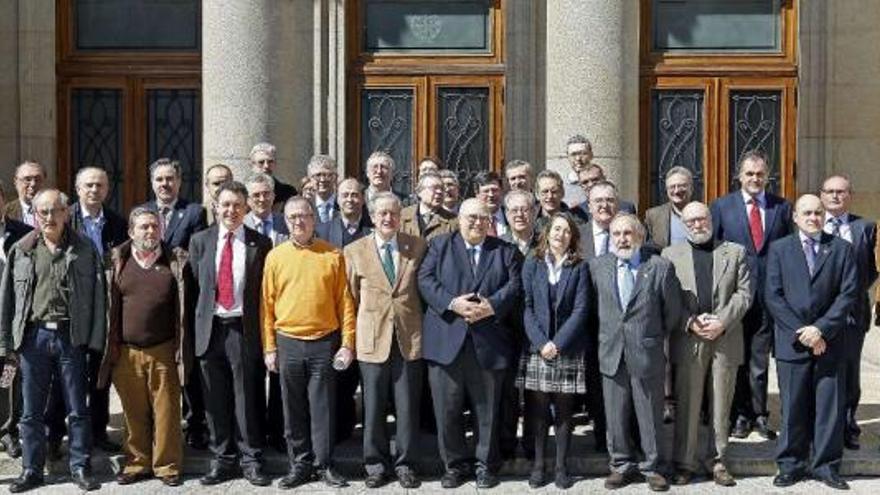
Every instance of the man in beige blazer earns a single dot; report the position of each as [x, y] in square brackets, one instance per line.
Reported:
[427, 218]
[663, 222]
[714, 278]
[382, 274]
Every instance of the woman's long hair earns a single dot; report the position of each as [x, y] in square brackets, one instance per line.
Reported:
[574, 245]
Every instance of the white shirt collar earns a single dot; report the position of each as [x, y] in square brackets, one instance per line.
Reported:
[169, 205]
[597, 229]
[222, 231]
[380, 243]
[319, 202]
[803, 236]
[86, 214]
[762, 201]
[844, 217]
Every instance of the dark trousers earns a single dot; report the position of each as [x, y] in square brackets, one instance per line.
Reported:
[308, 388]
[812, 393]
[233, 383]
[402, 380]
[855, 341]
[451, 384]
[347, 382]
[10, 408]
[537, 404]
[45, 353]
[274, 411]
[509, 414]
[750, 397]
[595, 402]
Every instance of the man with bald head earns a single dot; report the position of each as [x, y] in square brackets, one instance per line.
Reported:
[470, 282]
[215, 176]
[638, 300]
[716, 294]
[810, 290]
[861, 233]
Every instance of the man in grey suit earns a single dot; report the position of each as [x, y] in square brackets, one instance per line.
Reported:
[639, 301]
[716, 294]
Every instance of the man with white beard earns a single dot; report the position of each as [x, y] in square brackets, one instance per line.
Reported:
[638, 300]
[714, 277]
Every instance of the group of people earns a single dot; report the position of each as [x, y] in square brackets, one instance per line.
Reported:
[252, 323]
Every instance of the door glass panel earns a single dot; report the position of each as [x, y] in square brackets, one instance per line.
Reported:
[717, 25]
[677, 138]
[420, 26]
[755, 124]
[463, 129]
[174, 131]
[96, 127]
[387, 125]
[138, 24]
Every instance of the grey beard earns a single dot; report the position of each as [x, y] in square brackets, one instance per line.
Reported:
[626, 254]
[146, 246]
[700, 238]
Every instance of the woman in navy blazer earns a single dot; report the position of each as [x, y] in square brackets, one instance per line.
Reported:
[552, 370]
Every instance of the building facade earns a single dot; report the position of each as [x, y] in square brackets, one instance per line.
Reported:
[652, 83]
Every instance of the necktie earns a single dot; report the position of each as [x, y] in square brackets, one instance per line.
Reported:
[627, 281]
[472, 256]
[266, 228]
[755, 225]
[164, 220]
[603, 248]
[835, 226]
[493, 231]
[225, 292]
[31, 218]
[388, 264]
[324, 212]
[810, 254]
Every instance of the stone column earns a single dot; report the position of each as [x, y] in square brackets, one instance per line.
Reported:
[592, 85]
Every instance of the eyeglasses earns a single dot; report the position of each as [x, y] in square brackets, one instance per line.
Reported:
[324, 175]
[46, 213]
[265, 162]
[29, 178]
[519, 211]
[835, 192]
[472, 219]
[299, 216]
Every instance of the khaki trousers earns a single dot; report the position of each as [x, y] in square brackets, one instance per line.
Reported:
[149, 388]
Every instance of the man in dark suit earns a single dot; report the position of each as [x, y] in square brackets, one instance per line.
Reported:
[322, 171]
[10, 399]
[263, 161]
[215, 176]
[226, 262]
[861, 233]
[753, 219]
[29, 179]
[470, 282]
[349, 225]
[638, 299]
[589, 177]
[488, 190]
[663, 222]
[810, 290]
[180, 219]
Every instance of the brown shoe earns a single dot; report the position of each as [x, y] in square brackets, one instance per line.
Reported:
[129, 478]
[722, 477]
[172, 480]
[657, 483]
[682, 478]
[617, 480]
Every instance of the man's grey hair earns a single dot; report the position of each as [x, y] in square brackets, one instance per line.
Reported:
[756, 154]
[380, 156]
[62, 199]
[512, 164]
[523, 195]
[679, 170]
[449, 174]
[217, 165]
[140, 211]
[260, 178]
[550, 174]
[165, 162]
[30, 163]
[319, 163]
[579, 139]
[374, 201]
[83, 171]
[424, 178]
[300, 199]
[604, 184]
[632, 220]
[350, 180]
[267, 148]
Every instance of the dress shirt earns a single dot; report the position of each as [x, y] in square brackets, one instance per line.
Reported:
[762, 205]
[677, 229]
[479, 251]
[146, 259]
[554, 269]
[351, 228]
[260, 222]
[395, 251]
[816, 239]
[28, 215]
[633, 265]
[522, 244]
[845, 228]
[501, 227]
[601, 238]
[166, 218]
[327, 206]
[94, 226]
[238, 261]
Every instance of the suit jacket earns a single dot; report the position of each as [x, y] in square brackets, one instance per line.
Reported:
[186, 219]
[582, 211]
[333, 231]
[14, 231]
[114, 233]
[731, 298]
[386, 310]
[442, 222]
[283, 191]
[445, 274]
[657, 224]
[795, 299]
[570, 309]
[508, 237]
[864, 238]
[279, 233]
[731, 223]
[636, 334]
[203, 272]
[13, 209]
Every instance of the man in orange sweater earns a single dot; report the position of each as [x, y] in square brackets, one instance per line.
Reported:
[308, 328]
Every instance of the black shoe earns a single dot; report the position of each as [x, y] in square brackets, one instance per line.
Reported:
[617, 480]
[657, 483]
[124, 478]
[255, 476]
[536, 479]
[452, 478]
[407, 478]
[84, 480]
[299, 475]
[331, 478]
[682, 478]
[217, 475]
[562, 480]
[197, 439]
[851, 442]
[762, 426]
[11, 445]
[742, 428]
[171, 480]
[486, 480]
[28, 480]
[376, 480]
[834, 481]
[106, 445]
[783, 480]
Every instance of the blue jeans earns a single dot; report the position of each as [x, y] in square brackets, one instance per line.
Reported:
[43, 353]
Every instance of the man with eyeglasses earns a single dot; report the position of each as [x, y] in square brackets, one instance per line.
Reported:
[427, 219]
[489, 191]
[588, 177]
[519, 175]
[451, 190]
[549, 194]
[663, 222]
[308, 323]
[215, 176]
[262, 158]
[579, 152]
[520, 209]
[714, 279]
[53, 310]
[29, 178]
[470, 282]
[322, 170]
[861, 234]
[380, 174]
